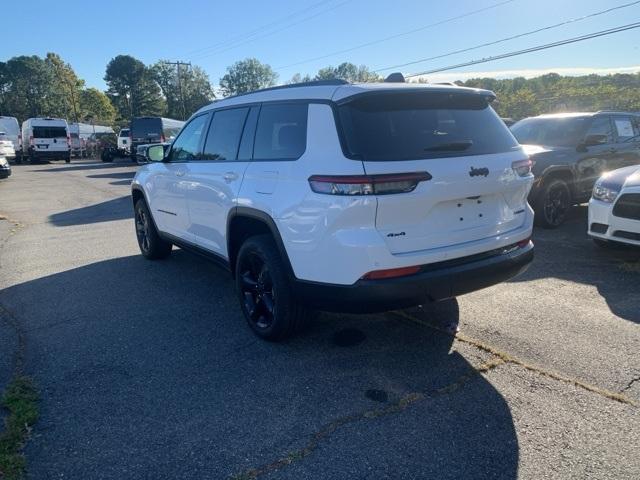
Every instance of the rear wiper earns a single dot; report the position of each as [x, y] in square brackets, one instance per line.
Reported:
[450, 147]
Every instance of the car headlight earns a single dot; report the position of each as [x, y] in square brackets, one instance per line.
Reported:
[605, 193]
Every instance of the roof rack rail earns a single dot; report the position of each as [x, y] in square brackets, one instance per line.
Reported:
[313, 83]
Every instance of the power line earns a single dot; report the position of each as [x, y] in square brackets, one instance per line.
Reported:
[257, 30]
[397, 35]
[537, 48]
[502, 40]
[268, 34]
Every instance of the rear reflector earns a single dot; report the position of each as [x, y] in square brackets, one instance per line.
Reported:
[391, 273]
[367, 184]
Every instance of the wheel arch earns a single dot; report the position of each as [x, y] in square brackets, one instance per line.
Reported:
[245, 222]
[560, 172]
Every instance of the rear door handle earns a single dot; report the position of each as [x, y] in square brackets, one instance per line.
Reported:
[230, 176]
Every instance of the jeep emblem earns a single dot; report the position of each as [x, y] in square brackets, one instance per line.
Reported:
[477, 172]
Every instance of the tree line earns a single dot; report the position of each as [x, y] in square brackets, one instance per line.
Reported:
[33, 86]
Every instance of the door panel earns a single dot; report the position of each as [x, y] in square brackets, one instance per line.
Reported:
[627, 142]
[215, 179]
[168, 198]
[597, 159]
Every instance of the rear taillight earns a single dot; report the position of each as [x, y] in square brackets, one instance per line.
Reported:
[161, 138]
[385, 184]
[391, 273]
[522, 167]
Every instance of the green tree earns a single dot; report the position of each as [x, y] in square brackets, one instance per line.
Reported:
[186, 94]
[65, 88]
[132, 89]
[27, 88]
[246, 76]
[297, 78]
[349, 72]
[96, 104]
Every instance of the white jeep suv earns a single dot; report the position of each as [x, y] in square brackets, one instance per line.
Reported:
[342, 197]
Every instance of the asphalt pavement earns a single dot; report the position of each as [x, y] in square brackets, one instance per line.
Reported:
[147, 370]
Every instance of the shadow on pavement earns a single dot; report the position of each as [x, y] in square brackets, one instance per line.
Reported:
[147, 369]
[114, 175]
[87, 166]
[116, 209]
[568, 253]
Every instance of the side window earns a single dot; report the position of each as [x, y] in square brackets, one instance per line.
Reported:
[624, 129]
[187, 146]
[224, 134]
[601, 126]
[281, 133]
[248, 136]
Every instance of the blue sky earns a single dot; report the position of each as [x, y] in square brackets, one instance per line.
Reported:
[216, 34]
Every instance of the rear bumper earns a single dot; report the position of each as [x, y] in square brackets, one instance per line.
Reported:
[60, 154]
[434, 282]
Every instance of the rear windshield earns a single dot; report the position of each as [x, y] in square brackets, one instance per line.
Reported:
[124, 133]
[49, 132]
[554, 132]
[410, 126]
[146, 127]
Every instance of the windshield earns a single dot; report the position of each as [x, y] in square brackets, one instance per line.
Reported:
[409, 126]
[555, 132]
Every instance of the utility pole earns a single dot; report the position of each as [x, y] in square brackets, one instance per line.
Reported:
[178, 64]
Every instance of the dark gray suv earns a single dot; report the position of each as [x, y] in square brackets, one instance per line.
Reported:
[571, 151]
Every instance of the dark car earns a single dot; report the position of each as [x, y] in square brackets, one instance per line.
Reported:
[5, 168]
[571, 151]
[152, 130]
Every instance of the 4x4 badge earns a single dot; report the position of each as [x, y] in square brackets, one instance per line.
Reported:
[477, 172]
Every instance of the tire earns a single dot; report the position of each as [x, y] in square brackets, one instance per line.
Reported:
[264, 291]
[553, 204]
[67, 159]
[151, 245]
[106, 157]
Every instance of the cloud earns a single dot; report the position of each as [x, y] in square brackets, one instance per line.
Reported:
[527, 73]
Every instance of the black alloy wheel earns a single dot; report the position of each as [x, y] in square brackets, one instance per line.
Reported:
[257, 291]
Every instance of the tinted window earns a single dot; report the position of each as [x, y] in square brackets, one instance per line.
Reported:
[625, 129]
[124, 133]
[49, 132]
[281, 133]
[406, 126]
[601, 126]
[224, 134]
[551, 131]
[248, 136]
[146, 128]
[187, 145]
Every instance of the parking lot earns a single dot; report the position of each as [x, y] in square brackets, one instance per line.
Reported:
[147, 369]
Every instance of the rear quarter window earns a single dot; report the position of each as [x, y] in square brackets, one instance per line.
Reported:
[281, 133]
[412, 126]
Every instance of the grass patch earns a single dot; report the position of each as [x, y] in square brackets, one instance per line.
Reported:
[21, 400]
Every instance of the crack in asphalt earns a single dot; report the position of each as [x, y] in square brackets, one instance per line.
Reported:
[508, 358]
[630, 384]
[399, 406]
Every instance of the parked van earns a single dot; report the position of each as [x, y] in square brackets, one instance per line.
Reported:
[124, 140]
[152, 130]
[10, 130]
[83, 138]
[46, 138]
